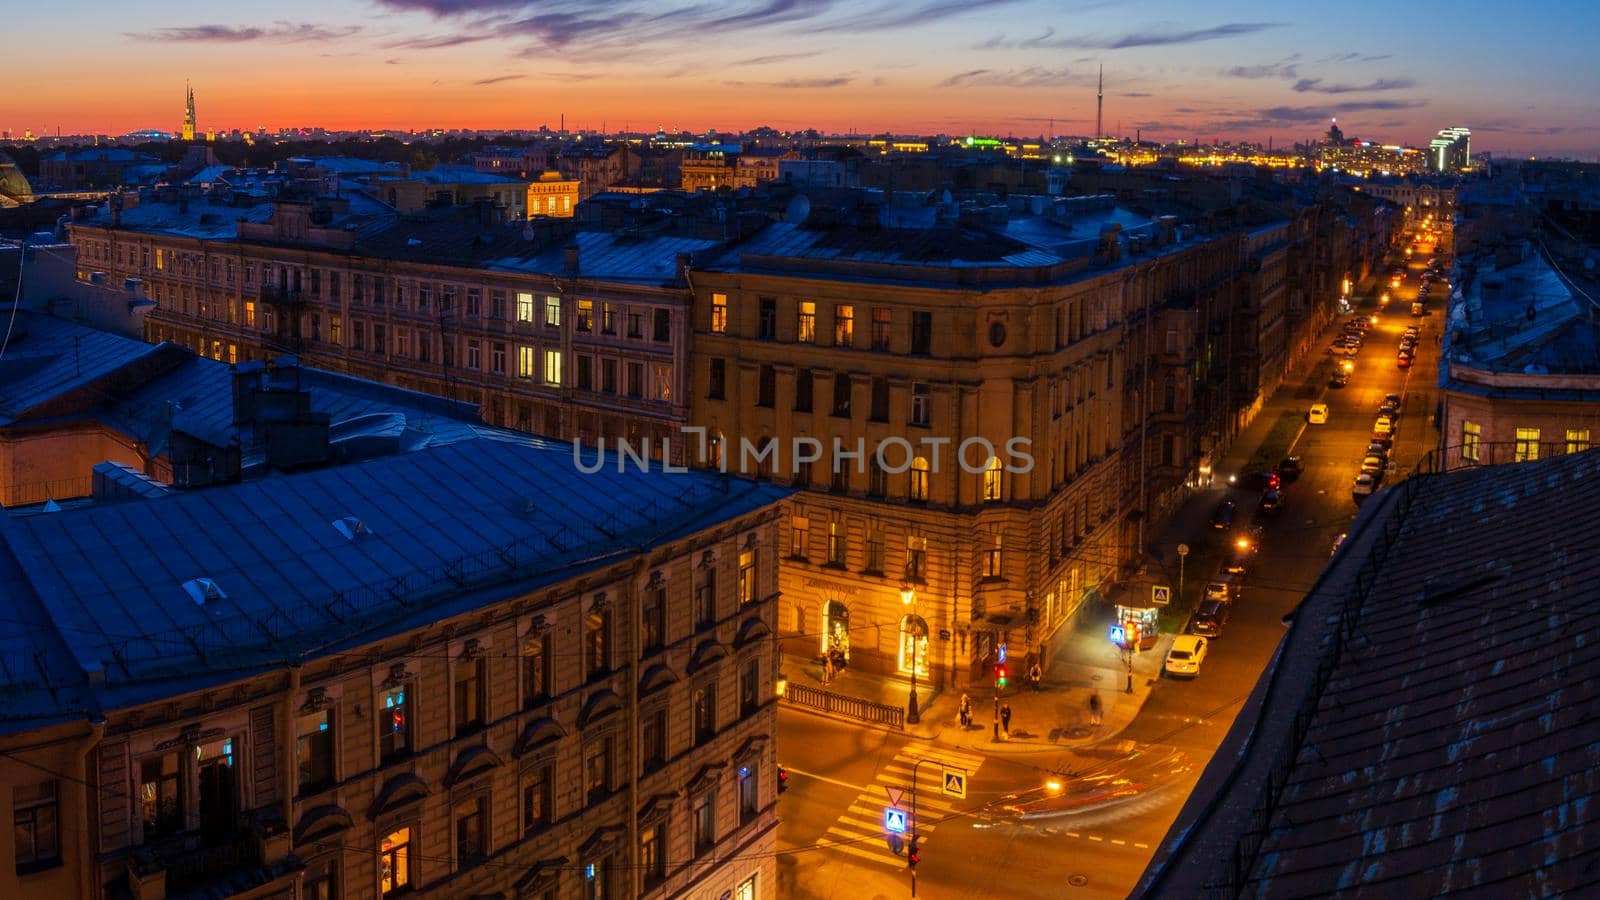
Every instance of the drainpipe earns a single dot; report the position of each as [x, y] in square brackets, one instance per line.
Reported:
[286, 752]
[97, 730]
[636, 609]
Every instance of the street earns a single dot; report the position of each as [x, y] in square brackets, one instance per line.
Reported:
[1094, 835]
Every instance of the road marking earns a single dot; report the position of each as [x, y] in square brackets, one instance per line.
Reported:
[1096, 837]
[1118, 843]
[1141, 846]
[834, 781]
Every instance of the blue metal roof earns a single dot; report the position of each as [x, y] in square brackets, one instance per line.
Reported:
[49, 357]
[101, 589]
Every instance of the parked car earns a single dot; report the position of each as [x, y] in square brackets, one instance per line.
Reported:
[1382, 439]
[1222, 517]
[1209, 618]
[1373, 464]
[1416, 308]
[1224, 587]
[1290, 468]
[1337, 542]
[1377, 449]
[1392, 399]
[1364, 486]
[1339, 379]
[1318, 414]
[1390, 411]
[1240, 553]
[1271, 502]
[1403, 361]
[1187, 653]
[1384, 424]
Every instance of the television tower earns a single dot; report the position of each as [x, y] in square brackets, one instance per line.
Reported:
[1100, 104]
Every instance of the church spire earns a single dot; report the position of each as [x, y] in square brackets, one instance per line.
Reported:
[188, 112]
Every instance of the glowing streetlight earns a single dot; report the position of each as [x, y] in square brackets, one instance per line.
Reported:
[1053, 785]
[908, 599]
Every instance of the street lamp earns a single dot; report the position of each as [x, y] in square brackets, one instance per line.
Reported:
[1183, 556]
[908, 598]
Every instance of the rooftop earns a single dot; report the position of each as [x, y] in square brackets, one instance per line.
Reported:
[1518, 314]
[113, 605]
[1451, 747]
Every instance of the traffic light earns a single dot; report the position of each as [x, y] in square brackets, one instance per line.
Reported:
[999, 676]
[783, 779]
[913, 853]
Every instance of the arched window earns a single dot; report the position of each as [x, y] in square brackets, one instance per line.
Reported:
[991, 480]
[919, 479]
[913, 644]
[836, 628]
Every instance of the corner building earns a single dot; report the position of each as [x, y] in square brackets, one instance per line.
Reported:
[1072, 329]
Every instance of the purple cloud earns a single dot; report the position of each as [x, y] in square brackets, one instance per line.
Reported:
[286, 32]
[1316, 85]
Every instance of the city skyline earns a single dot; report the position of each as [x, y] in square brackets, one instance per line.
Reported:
[1229, 72]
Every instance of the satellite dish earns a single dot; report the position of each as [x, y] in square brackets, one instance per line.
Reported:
[798, 210]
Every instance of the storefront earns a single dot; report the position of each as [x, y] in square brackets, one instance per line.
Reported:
[1145, 618]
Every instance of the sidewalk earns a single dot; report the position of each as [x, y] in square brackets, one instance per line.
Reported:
[1055, 717]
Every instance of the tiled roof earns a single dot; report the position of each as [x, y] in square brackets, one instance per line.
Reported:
[105, 594]
[1454, 746]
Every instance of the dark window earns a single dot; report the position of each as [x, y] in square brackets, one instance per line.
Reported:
[663, 325]
[653, 618]
[608, 319]
[596, 642]
[841, 394]
[469, 696]
[160, 798]
[314, 750]
[653, 738]
[705, 712]
[877, 479]
[635, 379]
[535, 670]
[921, 332]
[804, 385]
[471, 846]
[874, 552]
[750, 689]
[597, 769]
[717, 384]
[705, 822]
[705, 602]
[538, 792]
[769, 318]
[766, 387]
[394, 723]
[34, 814]
[585, 373]
[635, 323]
[608, 376]
[880, 399]
[921, 404]
[749, 796]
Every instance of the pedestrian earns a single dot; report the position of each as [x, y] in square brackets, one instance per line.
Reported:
[1005, 720]
[1034, 676]
[966, 711]
[827, 667]
[1094, 709]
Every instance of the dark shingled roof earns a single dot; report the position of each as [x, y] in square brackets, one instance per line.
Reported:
[1454, 746]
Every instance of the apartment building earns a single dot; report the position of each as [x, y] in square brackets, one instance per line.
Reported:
[914, 344]
[560, 332]
[468, 669]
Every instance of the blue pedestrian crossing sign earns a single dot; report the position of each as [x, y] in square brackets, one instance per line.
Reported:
[894, 820]
[955, 782]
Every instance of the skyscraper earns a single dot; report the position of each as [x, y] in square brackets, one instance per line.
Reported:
[1451, 151]
[188, 114]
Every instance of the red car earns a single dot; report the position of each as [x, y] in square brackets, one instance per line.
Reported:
[1404, 362]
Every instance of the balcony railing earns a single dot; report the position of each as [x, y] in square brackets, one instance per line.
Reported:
[287, 296]
[190, 862]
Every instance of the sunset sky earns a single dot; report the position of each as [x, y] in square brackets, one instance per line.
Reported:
[1523, 77]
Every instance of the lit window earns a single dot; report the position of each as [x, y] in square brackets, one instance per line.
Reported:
[1471, 441]
[395, 855]
[991, 480]
[552, 312]
[394, 723]
[844, 325]
[719, 313]
[525, 362]
[1577, 440]
[552, 367]
[747, 576]
[919, 479]
[524, 307]
[1527, 444]
[807, 326]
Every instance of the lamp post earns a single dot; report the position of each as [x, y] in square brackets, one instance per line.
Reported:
[1183, 555]
[908, 598]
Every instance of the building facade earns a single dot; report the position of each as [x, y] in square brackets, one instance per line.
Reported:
[541, 718]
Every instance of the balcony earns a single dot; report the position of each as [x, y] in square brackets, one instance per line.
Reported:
[282, 296]
[252, 855]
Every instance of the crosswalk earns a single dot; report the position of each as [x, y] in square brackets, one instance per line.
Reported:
[859, 831]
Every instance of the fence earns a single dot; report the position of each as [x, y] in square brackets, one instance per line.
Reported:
[35, 492]
[847, 706]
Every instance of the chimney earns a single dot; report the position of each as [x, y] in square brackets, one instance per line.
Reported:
[134, 287]
[246, 380]
[570, 256]
[680, 268]
[97, 278]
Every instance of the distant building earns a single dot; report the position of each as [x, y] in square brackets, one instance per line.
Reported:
[596, 166]
[449, 185]
[96, 167]
[553, 194]
[1451, 151]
